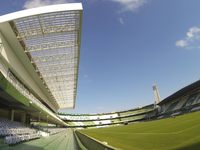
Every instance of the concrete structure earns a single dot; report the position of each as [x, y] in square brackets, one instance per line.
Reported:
[156, 94]
[39, 59]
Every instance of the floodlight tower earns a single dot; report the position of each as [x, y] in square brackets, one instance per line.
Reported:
[156, 94]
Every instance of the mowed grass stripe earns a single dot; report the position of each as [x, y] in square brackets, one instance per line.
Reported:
[166, 134]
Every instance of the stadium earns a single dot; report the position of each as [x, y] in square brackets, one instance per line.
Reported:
[39, 69]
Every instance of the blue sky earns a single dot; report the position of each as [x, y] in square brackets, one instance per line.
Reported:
[127, 46]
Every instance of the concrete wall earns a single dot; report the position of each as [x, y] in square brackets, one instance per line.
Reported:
[14, 115]
[92, 144]
[5, 113]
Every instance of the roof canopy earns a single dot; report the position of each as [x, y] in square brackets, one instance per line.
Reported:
[50, 37]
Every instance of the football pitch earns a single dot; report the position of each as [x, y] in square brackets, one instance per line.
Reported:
[178, 133]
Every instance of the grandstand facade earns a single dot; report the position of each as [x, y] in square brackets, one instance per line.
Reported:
[39, 51]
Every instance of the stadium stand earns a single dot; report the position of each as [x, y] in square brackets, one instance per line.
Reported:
[14, 139]
[28, 91]
[26, 84]
[15, 132]
[135, 112]
[105, 119]
[38, 75]
[183, 101]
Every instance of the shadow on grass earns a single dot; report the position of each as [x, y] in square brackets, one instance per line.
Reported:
[195, 146]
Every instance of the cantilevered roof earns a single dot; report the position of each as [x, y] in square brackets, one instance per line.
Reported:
[50, 37]
[184, 91]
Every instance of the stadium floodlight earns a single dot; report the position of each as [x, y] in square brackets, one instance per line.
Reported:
[50, 37]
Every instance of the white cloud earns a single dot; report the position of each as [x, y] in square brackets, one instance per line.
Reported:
[121, 20]
[38, 3]
[192, 39]
[181, 43]
[130, 5]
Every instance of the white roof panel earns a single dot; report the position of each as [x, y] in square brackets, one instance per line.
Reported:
[41, 10]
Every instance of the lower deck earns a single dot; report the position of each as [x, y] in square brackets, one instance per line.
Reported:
[60, 141]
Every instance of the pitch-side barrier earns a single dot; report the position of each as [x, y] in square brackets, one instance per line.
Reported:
[86, 142]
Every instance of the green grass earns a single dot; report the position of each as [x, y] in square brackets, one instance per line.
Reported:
[180, 133]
